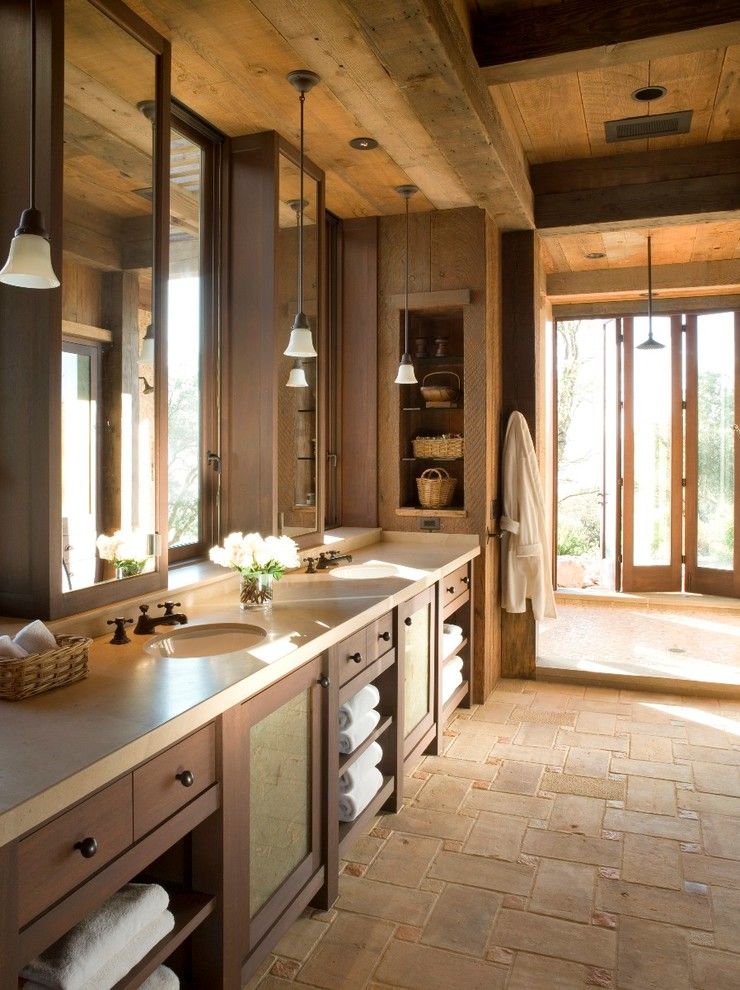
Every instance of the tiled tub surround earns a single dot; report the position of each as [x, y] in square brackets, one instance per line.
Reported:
[570, 837]
[61, 746]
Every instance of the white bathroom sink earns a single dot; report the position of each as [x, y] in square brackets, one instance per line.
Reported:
[208, 640]
[365, 572]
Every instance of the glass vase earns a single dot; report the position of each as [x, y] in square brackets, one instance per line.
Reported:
[129, 568]
[255, 591]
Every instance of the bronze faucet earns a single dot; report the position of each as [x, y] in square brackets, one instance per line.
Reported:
[331, 558]
[146, 624]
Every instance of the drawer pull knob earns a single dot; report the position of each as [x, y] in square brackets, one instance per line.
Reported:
[465, 580]
[185, 777]
[385, 636]
[87, 847]
[356, 657]
[324, 681]
[451, 591]
[408, 621]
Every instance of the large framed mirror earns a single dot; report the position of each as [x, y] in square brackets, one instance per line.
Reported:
[113, 390]
[298, 383]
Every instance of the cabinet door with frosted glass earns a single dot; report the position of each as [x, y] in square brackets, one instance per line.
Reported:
[416, 647]
[283, 738]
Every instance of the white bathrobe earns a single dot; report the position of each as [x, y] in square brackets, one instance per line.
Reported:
[525, 557]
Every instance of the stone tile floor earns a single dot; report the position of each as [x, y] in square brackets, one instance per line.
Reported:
[644, 637]
[570, 837]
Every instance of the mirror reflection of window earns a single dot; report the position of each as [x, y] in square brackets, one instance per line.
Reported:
[109, 435]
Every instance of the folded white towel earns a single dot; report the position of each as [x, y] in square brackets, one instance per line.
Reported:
[351, 737]
[10, 650]
[76, 959]
[454, 663]
[355, 801]
[35, 638]
[451, 679]
[370, 758]
[358, 705]
[450, 642]
[450, 629]
[161, 979]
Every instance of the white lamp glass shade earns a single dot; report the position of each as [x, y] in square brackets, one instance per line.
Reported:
[300, 344]
[147, 349]
[406, 374]
[297, 378]
[29, 263]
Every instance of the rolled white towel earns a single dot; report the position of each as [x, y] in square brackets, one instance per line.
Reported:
[161, 979]
[358, 705]
[454, 663]
[355, 801]
[10, 650]
[370, 758]
[450, 681]
[76, 959]
[35, 638]
[351, 737]
[452, 630]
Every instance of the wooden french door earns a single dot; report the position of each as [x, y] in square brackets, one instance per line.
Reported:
[652, 498]
[713, 453]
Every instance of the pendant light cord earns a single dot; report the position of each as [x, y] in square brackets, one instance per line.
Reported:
[650, 289]
[406, 290]
[32, 163]
[300, 217]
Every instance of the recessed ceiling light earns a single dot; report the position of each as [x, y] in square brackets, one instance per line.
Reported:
[647, 93]
[363, 143]
[593, 255]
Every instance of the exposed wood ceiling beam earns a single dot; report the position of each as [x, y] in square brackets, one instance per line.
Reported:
[578, 35]
[629, 307]
[625, 283]
[652, 188]
[424, 50]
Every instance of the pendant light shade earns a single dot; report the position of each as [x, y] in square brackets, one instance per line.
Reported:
[147, 346]
[406, 374]
[300, 344]
[297, 377]
[650, 344]
[29, 260]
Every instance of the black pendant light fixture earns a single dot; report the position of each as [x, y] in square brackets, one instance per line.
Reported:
[300, 344]
[651, 344]
[29, 260]
[406, 375]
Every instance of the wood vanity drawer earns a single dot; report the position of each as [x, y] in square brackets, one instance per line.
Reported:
[59, 856]
[454, 584]
[380, 637]
[171, 780]
[353, 655]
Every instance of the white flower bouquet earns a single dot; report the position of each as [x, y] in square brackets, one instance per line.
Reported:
[259, 561]
[126, 551]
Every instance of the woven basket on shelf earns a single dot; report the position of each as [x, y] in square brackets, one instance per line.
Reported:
[43, 671]
[449, 447]
[435, 488]
[440, 393]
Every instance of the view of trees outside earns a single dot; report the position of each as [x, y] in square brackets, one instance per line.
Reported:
[183, 410]
[716, 461]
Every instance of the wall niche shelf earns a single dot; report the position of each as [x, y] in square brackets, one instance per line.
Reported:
[414, 510]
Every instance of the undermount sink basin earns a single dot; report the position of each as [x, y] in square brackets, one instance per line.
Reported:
[206, 640]
[365, 572]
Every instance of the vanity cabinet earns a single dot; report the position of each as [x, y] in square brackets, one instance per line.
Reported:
[417, 655]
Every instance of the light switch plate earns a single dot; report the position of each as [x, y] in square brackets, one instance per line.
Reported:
[430, 524]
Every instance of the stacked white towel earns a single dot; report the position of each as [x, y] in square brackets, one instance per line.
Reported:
[161, 979]
[355, 734]
[351, 777]
[107, 944]
[452, 636]
[33, 638]
[358, 705]
[452, 677]
[355, 801]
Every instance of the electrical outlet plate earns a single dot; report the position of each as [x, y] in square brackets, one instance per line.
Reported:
[430, 524]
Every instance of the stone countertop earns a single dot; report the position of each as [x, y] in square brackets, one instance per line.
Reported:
[60, 746]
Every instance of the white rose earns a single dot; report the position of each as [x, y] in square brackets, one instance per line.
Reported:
[283, 551]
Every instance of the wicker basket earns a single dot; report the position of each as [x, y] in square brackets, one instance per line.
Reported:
[446, 447]
[440, 393]
[43, 671]
[436, 488]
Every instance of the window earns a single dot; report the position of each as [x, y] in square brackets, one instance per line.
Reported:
[192, 338]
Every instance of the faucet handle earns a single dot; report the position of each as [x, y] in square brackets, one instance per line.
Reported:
[311, 561]
[169, 607]
[119, 636]
[143, 609]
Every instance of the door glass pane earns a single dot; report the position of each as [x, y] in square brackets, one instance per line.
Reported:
[652, 445]
[715, 358]
[416, 661]
[79, 465]
[184, 315]
[280, 811]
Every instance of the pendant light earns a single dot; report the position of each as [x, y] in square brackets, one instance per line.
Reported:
[406, 375]
[297, 377]
[29, 261]
[650, 344]
[300, 344]
[146, 355]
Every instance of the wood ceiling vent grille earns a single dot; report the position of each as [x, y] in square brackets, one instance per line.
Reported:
[656, 125]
